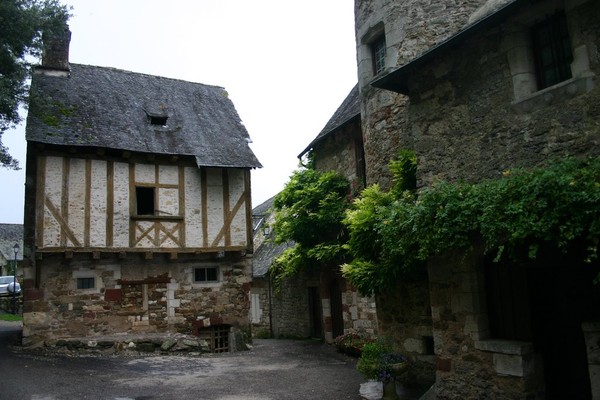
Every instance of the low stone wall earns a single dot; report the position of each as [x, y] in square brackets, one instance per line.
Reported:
[126, 345]
[7, 304]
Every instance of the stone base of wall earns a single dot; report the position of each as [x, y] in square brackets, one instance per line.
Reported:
[132, 296]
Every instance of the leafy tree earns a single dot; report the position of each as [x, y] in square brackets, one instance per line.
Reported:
[309, 212]
[21, 25]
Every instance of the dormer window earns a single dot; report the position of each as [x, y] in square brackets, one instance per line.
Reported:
[157, 116]
[158, 120]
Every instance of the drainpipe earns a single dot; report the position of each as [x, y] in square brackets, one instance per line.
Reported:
[270, 307]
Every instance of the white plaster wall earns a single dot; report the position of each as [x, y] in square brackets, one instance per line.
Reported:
[97, 210]
[238, 225]
[193, 207]
[147, 240]
[214, 185]
[145, 173]
[54, 170]
[168, 203]
[168, 174]
[76, 207]
[121, 205]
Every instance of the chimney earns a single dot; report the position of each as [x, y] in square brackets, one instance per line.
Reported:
[55, 54]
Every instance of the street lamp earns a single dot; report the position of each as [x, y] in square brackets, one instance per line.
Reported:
[16, 249]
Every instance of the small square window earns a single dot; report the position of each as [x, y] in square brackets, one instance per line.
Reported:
[206, 274]
[86, 283]
[552, 51]
[144, 200]
[378, 50]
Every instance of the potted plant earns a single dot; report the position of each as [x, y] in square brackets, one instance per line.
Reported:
[351, 343]
[379, 361]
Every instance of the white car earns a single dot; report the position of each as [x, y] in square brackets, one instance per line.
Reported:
[8, 285]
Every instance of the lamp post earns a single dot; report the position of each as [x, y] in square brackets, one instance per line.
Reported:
[16, 249]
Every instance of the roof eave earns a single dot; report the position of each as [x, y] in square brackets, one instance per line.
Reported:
[398, 79]
[326, 134]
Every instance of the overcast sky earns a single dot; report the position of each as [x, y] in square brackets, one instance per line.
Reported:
[287, 66]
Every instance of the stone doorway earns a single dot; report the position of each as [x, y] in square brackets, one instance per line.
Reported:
[546, 302]
[315, 316]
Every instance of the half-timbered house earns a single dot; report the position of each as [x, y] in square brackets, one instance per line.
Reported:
[138, 208]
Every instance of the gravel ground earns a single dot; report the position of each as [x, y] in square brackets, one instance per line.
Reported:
[272, 370]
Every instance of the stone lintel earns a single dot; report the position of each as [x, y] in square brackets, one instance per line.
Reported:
[505, 346]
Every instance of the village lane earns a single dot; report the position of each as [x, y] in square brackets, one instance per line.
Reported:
[272, 370]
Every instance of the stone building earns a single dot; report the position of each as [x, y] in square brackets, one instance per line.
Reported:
[319, 304]
[339, 147]
[476, 89]
[138, 207]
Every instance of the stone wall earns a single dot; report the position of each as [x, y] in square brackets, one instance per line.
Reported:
[133, 294]
[468, 364]
[410, 28]
[260, 313]
[290, 310]
[342, 151]
[405, 316]
[471, 123]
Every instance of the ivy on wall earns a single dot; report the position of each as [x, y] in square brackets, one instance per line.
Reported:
[383, 237]
[392, 234]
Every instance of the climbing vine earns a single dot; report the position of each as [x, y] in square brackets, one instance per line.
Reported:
[392, 234]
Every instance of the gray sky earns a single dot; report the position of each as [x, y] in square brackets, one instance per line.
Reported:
[287, 66]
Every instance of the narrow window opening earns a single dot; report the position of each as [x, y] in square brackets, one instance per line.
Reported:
[378, 50]
[552, 51]
[206, 274]
[428, 345]
[144, 197]
[86, 283]
[158, 120]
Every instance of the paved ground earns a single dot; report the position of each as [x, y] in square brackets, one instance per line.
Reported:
[273, 370]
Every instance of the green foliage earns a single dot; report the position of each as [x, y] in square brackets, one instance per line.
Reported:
[377, 222]
[404, 170]
[21, 25]
[351, 343]
[524, 209]
[10, 317]
[309, 212]
[378, 359]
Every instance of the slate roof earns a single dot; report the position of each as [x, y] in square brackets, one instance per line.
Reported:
[9, 235]
[347, 111]
[268, 250]
[264, 256]
[261, 212]
[110, 108]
